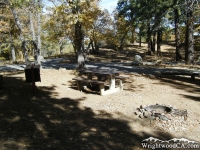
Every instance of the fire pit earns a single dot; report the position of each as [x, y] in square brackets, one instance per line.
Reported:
[164, 117]
[161, 111]
[159, 108]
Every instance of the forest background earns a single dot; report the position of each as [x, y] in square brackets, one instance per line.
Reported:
[80, 27]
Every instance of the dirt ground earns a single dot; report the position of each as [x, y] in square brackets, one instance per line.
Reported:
[60, 117]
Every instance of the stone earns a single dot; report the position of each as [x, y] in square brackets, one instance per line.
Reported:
[62, 69]
[152, 117]
[138, 59]
[141, 116]
[146, 114]
[158, 62]
[157, 118]
[136, 113]
[141, 110]
[163, 117]
[151, 76]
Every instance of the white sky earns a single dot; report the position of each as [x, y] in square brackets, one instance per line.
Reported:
[108, 4]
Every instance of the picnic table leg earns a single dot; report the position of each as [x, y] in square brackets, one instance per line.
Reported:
[121, 85]
[99, 78]
[112, 82]
[101, 88]
[193, 77]
[89, 76]
[79, 85]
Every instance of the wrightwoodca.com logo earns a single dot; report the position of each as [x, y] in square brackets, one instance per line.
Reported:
[176, 143]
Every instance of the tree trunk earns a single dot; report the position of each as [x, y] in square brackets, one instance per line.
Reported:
[32, 25]
[78, 43]
[149, 41]
[96, 47]
[16, 20]
[13, 52]
[132, 35]
[91, 43]
[32, 30]
[190, 34]
[122, 41]
[159, 35]
[140, 40]
[61, 48]
[177, 33]
[39, 27]
[12, 49]
[153, 48]
[20, 29]
[78, 36]
[36, 52]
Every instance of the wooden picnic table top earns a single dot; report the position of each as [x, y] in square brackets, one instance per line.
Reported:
[102, 71]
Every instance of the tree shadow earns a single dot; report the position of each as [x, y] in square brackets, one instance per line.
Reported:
[47, 122]
[183, 83]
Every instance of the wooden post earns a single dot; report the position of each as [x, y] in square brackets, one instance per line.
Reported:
[33, 80]
[1, 81]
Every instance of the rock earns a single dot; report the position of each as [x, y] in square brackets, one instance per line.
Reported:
[157, 118]
[136, 113]
[146, 114]
[158, 62]
[62, 69]
[163, 117]
[141, 116]
[152, 117]
[151, 76]
[141, 110]
[138, 59]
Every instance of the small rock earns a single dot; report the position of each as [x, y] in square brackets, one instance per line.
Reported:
[141, 116]
[141, 110]
[146, 114]
[151, 76]
[136, 113]
[152, 117]
[157, 118]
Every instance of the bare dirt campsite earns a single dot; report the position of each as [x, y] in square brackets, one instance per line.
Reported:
[60, 117]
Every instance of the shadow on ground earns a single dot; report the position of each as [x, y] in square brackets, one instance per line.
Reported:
[47, 122]
[184, 83]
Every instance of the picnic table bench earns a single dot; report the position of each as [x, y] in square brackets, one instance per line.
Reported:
[80, 82]
[112, 76]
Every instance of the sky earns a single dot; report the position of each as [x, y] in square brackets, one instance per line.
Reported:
[108, 4]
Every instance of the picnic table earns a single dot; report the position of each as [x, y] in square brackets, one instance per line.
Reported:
[111, 74]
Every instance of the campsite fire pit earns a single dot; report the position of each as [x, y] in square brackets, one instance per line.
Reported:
[160, 112]
[164, 117]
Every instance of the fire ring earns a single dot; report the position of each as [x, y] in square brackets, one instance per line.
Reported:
[158, 108]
